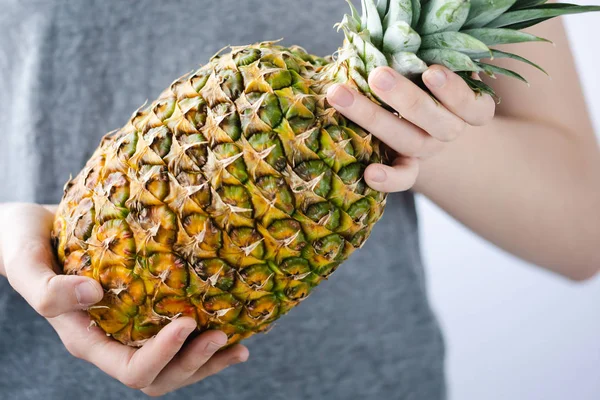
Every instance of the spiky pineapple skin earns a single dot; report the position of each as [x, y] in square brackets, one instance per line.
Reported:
[227, 200]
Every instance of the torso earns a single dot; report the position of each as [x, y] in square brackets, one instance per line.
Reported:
[74, 70]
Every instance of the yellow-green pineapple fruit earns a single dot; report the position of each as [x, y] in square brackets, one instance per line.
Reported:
[238, 190]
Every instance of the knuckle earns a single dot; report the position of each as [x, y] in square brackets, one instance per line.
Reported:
[483, 118]
[458, 128]
[134, 382]
[36, 250]
[416, 144]
[407, 181]
[191, 366]
[44, 306]
[411, 103]
[462, 99]
[370, 117]
[72, 347]
[413, 176]
[431, 148]
[214, 368]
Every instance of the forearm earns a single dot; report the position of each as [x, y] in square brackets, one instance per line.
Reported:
[3, 207]
[2, 272]
[531, 189]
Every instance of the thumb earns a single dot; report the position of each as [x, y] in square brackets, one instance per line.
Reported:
[29, 261]
[60, 294]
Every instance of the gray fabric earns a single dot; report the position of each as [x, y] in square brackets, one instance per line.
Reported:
[72, 70]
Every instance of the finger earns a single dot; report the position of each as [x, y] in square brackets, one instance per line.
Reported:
[412, 103]
[29, 265]
[89, 342]
[187, 362]
[399, 134]
[234, 355]
[147, 362]
[136, 368]
[398, 177]
[457, 96]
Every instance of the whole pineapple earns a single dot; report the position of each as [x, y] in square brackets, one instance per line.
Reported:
[239, 189]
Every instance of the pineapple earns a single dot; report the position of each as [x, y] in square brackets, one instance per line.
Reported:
[238, 190]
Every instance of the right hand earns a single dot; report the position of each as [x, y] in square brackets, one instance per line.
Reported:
[160, 366]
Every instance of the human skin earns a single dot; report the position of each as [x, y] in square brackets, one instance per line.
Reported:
[162, 365]
[510, 179]
[527, 180]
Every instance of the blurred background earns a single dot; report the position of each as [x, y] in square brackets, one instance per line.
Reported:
[512, 330]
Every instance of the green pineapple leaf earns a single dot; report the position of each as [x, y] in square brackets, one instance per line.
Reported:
[416, 12]
[369, 53]
[476, 85]
[453, 60]
[520, 4]
[503, 54]
[399, 11]
[484, 11]
[526, 24]
[401, 37]
[456, 41]
[491, 70]
[407, 63]
[533, 15]
[370, 19]
[495, 36]
[382, 6]
[443, 15]
[355, 15]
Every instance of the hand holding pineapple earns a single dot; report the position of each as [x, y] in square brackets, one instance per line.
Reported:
[227, 200]
[159, 367]
[425, 124]
[240, 189]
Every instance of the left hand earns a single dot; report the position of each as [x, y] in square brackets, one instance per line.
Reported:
[163, 364]
[424, 125]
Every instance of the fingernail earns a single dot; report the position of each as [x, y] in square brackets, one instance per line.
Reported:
[434, 78]
[378, 175]
[384, 80]
[87, 294]
[341, 96]
[185, 332]
[212, 347]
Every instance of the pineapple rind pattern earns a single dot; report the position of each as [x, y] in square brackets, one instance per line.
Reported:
[227, 200]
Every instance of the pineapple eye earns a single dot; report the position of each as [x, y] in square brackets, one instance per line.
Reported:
[317, 176]
[325, 214]
[199, 79]
[276, 189]
[164, 108]
[217, 272]
[246, 57]
[352, 173]
[233, 83]
[279, 79]
[330, 246]
[360, 209]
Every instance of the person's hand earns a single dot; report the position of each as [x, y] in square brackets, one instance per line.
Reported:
[424, 126]
[160, 366]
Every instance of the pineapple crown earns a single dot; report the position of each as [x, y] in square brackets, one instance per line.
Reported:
[409, 35]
